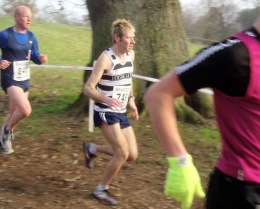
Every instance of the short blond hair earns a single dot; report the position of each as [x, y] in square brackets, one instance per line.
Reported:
[119, 26]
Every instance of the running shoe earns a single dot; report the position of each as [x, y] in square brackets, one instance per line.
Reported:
[2, 132]
[89, 157]
[5, 140]
[103, 197]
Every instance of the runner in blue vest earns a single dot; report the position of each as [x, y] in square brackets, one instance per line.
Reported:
[18, 46]
[110, 86]
[232, 69]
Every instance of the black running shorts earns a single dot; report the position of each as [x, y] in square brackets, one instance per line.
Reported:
[225, 192]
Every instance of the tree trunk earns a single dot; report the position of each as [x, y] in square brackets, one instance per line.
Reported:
[160, 38]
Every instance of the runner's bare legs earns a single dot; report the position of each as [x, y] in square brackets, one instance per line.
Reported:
[123, 148]
[19, 106]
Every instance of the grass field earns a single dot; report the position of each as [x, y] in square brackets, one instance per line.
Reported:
[65, 45]
[52, 90]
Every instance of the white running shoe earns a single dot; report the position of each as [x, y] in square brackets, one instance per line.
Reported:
[5, 141]
[104, 197]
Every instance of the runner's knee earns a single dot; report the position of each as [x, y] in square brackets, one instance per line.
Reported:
[122, 155]
[132, 156]
[25, 112]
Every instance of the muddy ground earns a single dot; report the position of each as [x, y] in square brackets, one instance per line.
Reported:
[47, 171]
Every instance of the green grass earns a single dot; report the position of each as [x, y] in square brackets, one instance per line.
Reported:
[52, 90]
[194, 48]
[64, 44]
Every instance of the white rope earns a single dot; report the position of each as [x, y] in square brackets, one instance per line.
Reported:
[146, 78]
[91, 102]
[207, 91]
[63, 67]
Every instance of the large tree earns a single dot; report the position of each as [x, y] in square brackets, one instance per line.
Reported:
[160, 38]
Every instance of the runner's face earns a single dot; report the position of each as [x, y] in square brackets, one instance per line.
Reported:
[23, 19]
[126, 42]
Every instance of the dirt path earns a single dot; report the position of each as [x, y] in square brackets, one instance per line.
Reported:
[47, 171]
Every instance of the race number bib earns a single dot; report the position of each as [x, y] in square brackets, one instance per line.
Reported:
[121, 93]
[21, 70]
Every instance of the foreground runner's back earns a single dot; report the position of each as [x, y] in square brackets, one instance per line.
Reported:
[232, 69]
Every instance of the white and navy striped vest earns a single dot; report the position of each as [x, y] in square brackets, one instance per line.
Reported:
[116, 83]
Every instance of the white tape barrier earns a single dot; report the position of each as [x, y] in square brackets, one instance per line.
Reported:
[91, 102]
[62, 67]
[207, 91]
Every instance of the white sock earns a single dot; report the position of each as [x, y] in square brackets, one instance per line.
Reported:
[101, 187]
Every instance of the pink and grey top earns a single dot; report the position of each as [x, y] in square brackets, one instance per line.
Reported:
[232, 69]
[239, 123]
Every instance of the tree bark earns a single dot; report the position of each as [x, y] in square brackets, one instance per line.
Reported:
[160, 38]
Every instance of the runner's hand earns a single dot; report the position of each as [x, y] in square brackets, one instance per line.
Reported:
[183, 181]
[134, 109]
[4, 64]
[114, 103]
[43, 58]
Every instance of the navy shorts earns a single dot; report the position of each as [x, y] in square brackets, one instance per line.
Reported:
[111, 118]
[225, 192]
[7, 82]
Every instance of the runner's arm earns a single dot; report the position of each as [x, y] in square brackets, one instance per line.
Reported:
[160, 97]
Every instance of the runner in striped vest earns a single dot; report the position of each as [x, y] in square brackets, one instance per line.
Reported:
[110, 86]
